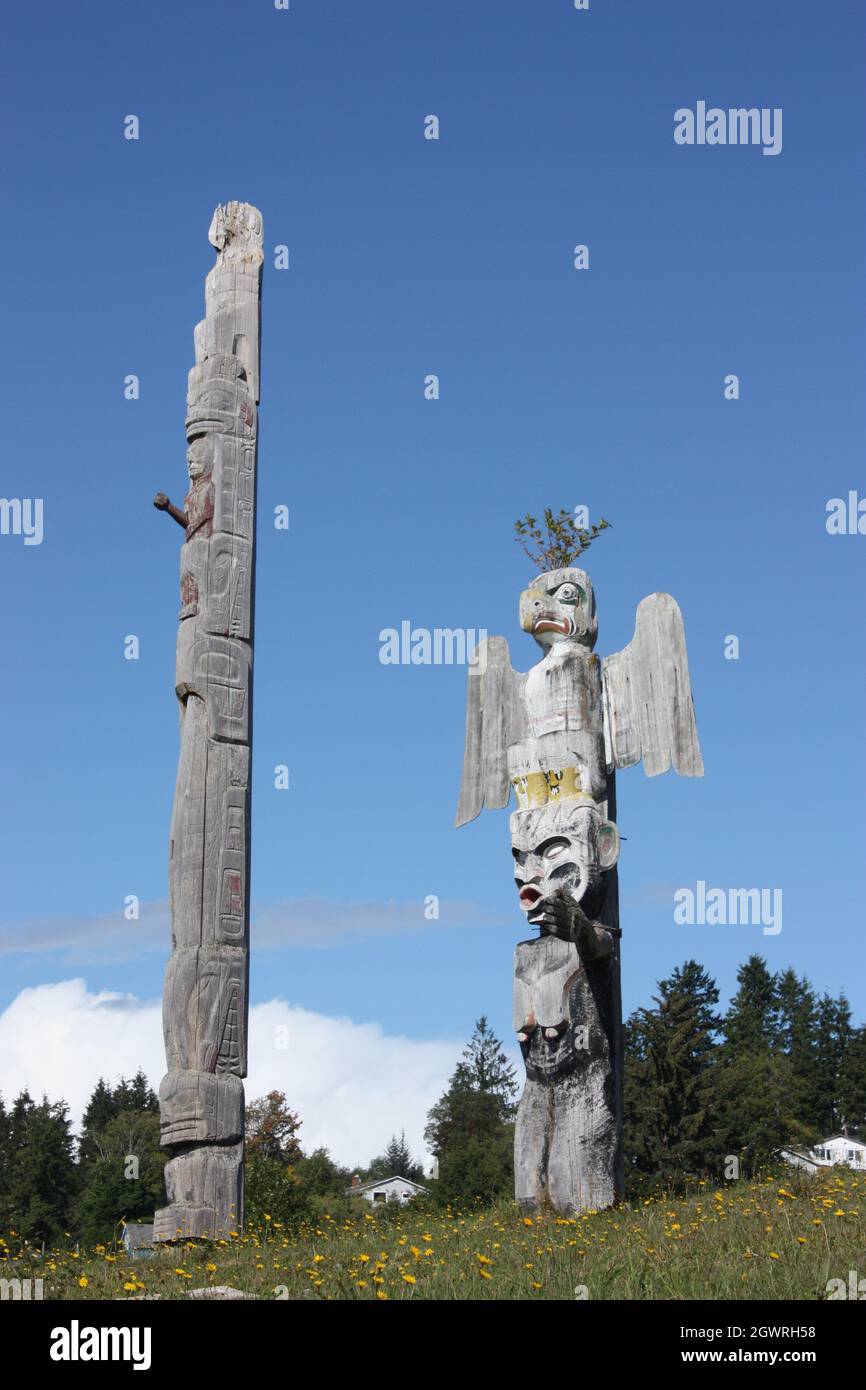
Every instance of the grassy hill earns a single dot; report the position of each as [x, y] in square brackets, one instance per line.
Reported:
[782, 1238]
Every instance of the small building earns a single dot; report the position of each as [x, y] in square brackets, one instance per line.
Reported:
[830, 1152]
[841, 1149]
[387, 1190]
[138, 1240]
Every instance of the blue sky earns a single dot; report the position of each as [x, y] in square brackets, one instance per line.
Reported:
[558, 387]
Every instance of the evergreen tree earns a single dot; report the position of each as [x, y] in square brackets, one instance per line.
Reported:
[755, 1097]
[834, 1036]
[135, 1095]
[395, 1162]
[485, 1066]
[797, 1039]
[639, 1114]
[100, 1109]
[756, 1110]
[5, 1163]
[122, 1179]
[40, 1170]
[470, 1129]
[676, 1043]
[852, 1085]
[750, 1024]
[471, 1134]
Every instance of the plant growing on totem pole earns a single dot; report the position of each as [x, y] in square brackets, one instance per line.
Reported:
[560, 543]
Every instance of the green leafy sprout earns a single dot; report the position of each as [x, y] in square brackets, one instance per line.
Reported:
[560, 543]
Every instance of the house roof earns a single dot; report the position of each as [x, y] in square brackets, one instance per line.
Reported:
[846, 1139]
[383, 1182]
[138, 1233]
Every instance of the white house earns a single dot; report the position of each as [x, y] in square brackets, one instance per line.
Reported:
[838, 1149]
[387, 1190]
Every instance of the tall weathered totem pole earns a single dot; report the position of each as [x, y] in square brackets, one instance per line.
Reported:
[557, 736]
[205, 1000]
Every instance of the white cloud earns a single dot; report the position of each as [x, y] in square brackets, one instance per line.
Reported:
[352, 1085]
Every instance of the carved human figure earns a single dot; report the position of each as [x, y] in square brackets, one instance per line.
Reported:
[566, 1009]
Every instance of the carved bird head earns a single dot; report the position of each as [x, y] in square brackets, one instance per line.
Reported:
[559, 606]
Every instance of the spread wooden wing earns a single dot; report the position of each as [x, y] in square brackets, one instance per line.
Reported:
[494, 719]
[648, 709]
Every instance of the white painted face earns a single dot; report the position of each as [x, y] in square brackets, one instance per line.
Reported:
[564, 847]
[560, 607]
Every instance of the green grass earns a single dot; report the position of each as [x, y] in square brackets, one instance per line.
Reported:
[776, 1239]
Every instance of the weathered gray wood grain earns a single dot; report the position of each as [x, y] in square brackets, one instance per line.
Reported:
[556, 736]
[205, 1001]
[649, 712]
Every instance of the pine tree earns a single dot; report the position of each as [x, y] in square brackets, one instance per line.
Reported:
[395, 1162]
[852, 1085]
[100, 1109]
[677, 1044]
[485, 1066]
[122, 1179]
[797, 1039]
[834, 1036]
[135, 1095]
[5, 1161]
[756, 1109]
[639, 1115]
[750, 1024]
[470, 1128]
[41, 1174]
[473, 1141]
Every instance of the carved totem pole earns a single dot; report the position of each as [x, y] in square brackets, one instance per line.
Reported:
[557, 736]
[205, 1000]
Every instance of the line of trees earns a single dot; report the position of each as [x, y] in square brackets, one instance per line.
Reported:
[51, 1183]
[782, 1066]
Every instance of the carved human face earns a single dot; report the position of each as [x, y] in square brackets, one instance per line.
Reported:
[198, 457]
[559, 606]
[560, 848]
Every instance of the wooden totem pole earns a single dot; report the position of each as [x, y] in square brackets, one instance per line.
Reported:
[205, 1001]
[557, 736]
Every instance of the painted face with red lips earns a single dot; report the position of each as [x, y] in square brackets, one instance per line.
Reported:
[560, 848]
[558, 607]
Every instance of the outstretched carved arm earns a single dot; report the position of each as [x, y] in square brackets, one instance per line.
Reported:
[563, 917]
[162, 504]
